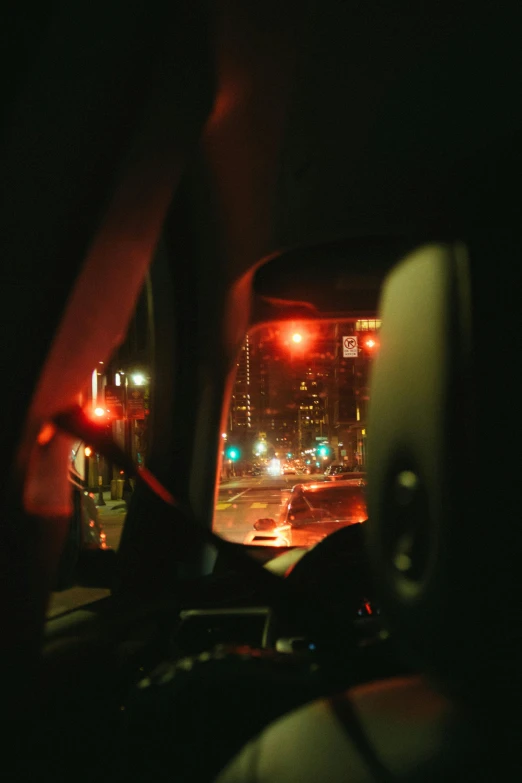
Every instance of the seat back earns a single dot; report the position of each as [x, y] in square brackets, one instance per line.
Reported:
[446, 541]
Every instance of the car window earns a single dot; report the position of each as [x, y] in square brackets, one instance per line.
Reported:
[343, 503]
[297, 415]
[117, 394]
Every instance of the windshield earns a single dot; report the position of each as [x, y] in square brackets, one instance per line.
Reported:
[297, 417]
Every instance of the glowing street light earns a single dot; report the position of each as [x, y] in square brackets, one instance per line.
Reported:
[99, 412]
[260, 447]
[297, 337]
[138, 379]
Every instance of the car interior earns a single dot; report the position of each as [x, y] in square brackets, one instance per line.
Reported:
[247, 164]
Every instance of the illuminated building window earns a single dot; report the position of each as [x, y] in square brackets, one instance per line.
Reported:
[367, 325]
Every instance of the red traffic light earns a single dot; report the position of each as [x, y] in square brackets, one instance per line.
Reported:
[296, 336]
[370, 344]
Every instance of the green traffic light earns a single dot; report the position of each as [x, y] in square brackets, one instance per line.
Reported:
[233, 454]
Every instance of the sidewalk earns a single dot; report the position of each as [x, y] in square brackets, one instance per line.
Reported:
[110, 505]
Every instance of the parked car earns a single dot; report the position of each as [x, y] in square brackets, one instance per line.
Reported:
[92, 534]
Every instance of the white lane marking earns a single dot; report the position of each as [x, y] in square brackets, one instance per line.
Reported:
[229, 500]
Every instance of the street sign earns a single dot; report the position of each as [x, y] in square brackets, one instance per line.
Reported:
[136, 403]
[114, 401]
[350, 347]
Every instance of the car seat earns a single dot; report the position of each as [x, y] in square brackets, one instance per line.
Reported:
[445, 541]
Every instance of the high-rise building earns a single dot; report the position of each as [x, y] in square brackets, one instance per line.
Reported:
[240, 417]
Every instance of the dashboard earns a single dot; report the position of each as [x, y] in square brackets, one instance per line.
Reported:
[330, 613]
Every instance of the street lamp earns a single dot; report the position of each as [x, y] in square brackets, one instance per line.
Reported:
[138, 379]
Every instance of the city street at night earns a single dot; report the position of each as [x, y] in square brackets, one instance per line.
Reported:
[240, 502]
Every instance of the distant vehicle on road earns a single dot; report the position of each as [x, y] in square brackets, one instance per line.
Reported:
[359, 478]
[338, 468]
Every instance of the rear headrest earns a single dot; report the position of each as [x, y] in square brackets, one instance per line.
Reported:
[446, 552]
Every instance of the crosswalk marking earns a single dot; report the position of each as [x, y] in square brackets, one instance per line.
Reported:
[259, 505]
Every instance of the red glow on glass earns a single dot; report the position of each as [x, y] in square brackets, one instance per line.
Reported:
[157, 487]
[46, 434]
